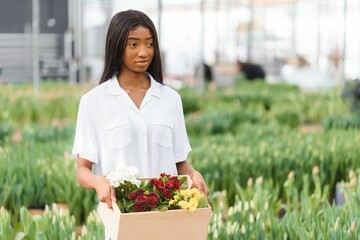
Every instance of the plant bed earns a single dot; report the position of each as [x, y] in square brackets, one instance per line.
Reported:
[310, 128]
[36, 209]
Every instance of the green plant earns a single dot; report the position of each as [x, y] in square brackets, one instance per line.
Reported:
[6, 229]
[346, 122]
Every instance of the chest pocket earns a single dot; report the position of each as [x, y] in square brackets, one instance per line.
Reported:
[117, 133]
[163, 132]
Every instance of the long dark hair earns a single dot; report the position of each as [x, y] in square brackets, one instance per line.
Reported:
[120, 26]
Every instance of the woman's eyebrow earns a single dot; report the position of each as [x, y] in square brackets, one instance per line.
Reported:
[135, 38]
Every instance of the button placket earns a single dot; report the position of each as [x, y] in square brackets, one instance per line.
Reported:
[143, 146]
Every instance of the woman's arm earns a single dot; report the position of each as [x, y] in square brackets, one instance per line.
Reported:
[87, 179]
[185, 168]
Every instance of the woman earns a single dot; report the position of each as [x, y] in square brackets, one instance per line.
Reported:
[131, 119]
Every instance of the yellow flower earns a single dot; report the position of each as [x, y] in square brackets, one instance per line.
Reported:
[196, 193]
[193, 203]
[183, 204]
[189, 199]
[186, 193]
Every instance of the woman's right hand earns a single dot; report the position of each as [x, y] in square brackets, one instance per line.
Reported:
[87, 179]
[105, 192]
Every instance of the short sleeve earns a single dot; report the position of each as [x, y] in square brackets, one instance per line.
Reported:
[85, 134]
[180, 138]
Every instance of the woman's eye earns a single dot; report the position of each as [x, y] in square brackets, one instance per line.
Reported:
[132, 44]
[151, 44]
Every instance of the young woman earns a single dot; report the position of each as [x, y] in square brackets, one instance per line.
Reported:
[131, 118]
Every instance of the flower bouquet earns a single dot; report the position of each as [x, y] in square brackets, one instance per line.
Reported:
[165, 200]
[156, 194]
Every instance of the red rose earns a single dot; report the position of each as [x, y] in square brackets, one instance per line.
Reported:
[174, 183]
[167, 193]
[152, 194]
[159, 185]
[152, 201]
[140, 191]
[164, 175]
[132, 195]
[141, 199]
[138, 207]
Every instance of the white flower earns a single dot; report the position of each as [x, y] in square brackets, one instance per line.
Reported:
[230, 211]
[216, 234]
[243, 229]
[238, 207]
[229, 228]
[266, 206]
[221, 205]
[246, 206]
[37, 217]
[260, 180]
[131, 174]
[252, 205]
[251, 218]
[122, 174]
[336, 225]
[235, 226]
[114, 179]
[73, 236]
[84, 231]
[219, 218]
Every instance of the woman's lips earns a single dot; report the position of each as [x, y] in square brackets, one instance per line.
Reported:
[142, 63]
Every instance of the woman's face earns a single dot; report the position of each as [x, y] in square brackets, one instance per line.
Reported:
[139, 51]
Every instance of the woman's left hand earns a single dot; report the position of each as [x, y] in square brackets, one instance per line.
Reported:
[199, 183]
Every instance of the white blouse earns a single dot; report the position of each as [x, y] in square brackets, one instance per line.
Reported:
[112, 132]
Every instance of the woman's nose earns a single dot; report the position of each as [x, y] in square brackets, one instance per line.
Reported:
[143, 51]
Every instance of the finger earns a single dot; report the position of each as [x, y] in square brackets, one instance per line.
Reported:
[203, 188]
[206, 191]
[109, 203]
[112, 192]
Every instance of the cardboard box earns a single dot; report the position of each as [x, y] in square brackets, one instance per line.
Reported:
[155, 225]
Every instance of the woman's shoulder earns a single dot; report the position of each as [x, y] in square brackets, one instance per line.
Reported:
[169, 94]
[96, 92]
[169, 90]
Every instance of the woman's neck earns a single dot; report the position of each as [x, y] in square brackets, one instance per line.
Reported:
[133, 81]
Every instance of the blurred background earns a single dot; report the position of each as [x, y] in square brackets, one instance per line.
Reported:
[271, 98]
[66, 39]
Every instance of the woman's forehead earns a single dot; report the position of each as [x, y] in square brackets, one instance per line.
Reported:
[140, 30]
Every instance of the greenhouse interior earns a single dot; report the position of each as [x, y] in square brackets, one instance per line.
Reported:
[269, 102]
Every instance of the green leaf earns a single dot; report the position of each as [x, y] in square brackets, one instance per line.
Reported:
[128, 204]
[121, 204]
[164, 179]
[163, 208]
[40, 236]
[182, 180]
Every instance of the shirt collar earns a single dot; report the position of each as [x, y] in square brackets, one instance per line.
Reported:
[154, 89]
[114, 88]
